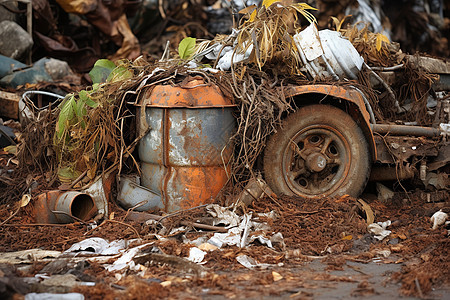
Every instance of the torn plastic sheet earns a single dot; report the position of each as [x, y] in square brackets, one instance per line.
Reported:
[379, 229]
[96, 245]
[247, 232]
[126, 260]
[251, 263]
[223, 215]
[229, 55]
[196, 255]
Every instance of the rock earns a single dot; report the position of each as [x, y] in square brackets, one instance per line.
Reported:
[384, 193]
[45, 69]
[57, 69]
[15, 42]
[8, 65]
[6, 15]
[394, 241]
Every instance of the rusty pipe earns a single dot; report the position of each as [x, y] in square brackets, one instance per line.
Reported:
[64, 207]
[405, 130]
[387, 173]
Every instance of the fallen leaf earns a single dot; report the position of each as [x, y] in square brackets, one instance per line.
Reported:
[25, 200]
[276, 276]
[166, 283]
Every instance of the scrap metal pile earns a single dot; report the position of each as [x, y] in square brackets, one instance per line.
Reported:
[156, 169]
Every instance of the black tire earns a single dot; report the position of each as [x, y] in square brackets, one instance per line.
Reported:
[318, 151]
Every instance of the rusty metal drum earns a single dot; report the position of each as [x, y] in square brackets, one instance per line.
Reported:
[186, 149]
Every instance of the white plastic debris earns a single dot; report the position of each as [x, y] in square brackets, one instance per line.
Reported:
[231, 238]
[196, 255]
[229, 55]
[250, 263]
[445, 129]
[126, 260]
[223, 215]
[49, 296]
[438, 219]
[379, 229]
[98, 245]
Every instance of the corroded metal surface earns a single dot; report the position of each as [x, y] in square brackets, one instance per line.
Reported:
[184, 153]
[132, 195]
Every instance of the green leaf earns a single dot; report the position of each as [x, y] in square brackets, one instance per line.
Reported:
[86, 99]
[118, 74]
[66, 114]
[101, 70]
[67, 174]
[186, 47]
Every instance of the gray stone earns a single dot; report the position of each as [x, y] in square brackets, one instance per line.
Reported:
[15, 42]
[57, 69]
[6, 15]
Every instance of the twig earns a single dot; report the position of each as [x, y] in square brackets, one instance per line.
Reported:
[11, 216]
[383, 69]
[161, 9]
[78, 179]
[142, 217]
[416, 281]
[181, 211]
[114, 221]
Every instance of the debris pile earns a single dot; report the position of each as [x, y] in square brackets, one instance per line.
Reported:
[115, 228]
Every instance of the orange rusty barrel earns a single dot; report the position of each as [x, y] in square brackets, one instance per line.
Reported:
[187, 144]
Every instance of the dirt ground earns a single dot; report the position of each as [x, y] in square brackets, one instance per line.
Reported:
[328, 254]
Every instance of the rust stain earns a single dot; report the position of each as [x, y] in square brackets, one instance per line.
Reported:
[173, 96]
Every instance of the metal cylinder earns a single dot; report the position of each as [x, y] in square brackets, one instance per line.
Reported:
[405, 130]
[386, 173]
[188, 143]
[73, 204]
[64, 207]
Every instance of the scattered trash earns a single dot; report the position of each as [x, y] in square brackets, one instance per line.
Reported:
[438, 219]
[251, 263]
[196, 255]
[379, 229]
[49, 296]
[97, 246]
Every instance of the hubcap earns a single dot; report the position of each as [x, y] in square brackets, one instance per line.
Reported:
[317, 161]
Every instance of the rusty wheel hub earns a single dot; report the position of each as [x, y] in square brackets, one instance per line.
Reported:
[316, 161]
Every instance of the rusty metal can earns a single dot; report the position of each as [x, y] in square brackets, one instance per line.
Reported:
[187, 147]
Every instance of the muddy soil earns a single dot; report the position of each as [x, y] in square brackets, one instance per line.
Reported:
[328, 254]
